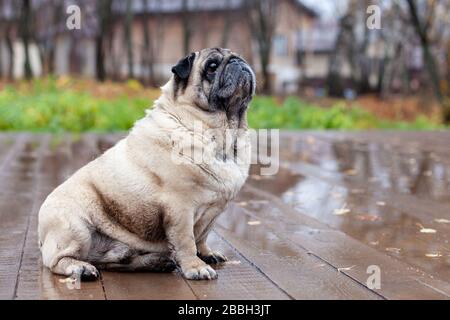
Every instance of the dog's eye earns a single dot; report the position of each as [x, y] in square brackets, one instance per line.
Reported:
[212, 67]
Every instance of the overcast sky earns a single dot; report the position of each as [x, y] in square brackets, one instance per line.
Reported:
[327, 8]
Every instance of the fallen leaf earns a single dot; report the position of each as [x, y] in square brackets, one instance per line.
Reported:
[254, 223]
[357, 191]
[442, 220]
[242, 203]
[433, 255]
[426, 230]
[374, 243]
[394, 250]
[381, 203]
[342, 211]
[367, 217]
[351, 172]
[346, 268]
[321, 265]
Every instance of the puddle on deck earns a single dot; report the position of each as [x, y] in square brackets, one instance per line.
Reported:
[368, 191]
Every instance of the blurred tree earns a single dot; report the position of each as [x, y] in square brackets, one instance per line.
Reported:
[147, 49]
[424, 27]
[104, 15]
[352, 48]
[129, 37]
[25, 33]
[187, 27]
[9, 13]
[261, 17]
[340, 53]
[46, 31]
[227, 25]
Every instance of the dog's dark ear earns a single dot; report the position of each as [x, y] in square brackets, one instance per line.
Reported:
[183, 68]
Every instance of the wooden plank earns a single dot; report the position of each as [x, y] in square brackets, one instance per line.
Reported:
[316, 196]
[60, 162]
[29, 271]
[399, 219]
[428, 141]
[425, 208]
[399, 280]
[146, 286]
[17, 180]
[238, 278]
[292, 268]
[6, 143]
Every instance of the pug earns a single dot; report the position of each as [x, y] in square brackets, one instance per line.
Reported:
[137, 207]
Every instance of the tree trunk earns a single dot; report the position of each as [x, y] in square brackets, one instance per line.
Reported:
[262, 14]
[25, 30]
[129, 39]
[104, 10]
[10, 48]
[187, 32]
[147, 55]
[430, 61]
[226, 26]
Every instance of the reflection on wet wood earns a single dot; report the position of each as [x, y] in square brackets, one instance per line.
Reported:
[282, 235]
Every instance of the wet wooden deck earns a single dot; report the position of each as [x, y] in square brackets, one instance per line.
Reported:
[285, 235]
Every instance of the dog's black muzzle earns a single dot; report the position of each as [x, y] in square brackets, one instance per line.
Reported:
[234, 87]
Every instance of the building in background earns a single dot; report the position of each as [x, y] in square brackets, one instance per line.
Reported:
[167, 24]
[143, 39]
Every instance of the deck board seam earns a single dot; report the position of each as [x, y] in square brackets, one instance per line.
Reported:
[336, 268]
[103, 286]
[38, 181]
[431, 287]
[190, 288]
[254, 265]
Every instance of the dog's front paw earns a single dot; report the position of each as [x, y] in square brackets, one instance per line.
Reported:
[199, 271]
[213, 257]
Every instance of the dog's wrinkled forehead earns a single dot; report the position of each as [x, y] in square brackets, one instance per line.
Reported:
[213, 53]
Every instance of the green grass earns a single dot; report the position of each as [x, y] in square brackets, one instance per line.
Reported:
[295, 114]
[53, 109]
[45, 106]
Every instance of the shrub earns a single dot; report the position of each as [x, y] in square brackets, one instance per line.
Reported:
[64, 104]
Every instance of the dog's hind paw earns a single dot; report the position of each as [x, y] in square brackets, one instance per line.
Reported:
[84, 272]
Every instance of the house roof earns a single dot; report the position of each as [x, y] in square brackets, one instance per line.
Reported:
[176, 6]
